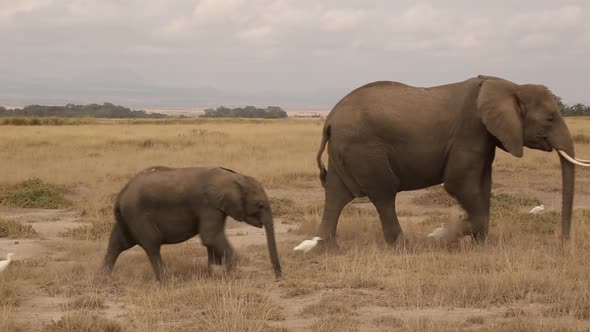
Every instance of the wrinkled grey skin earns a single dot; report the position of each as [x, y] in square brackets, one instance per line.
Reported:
[163, 205]
[387, 137]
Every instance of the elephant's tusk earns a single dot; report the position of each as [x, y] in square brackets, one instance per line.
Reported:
[572, 160]
[582, 160]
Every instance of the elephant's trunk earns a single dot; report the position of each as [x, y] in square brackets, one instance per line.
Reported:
[560, 139]
[567, 196]
[272, 245]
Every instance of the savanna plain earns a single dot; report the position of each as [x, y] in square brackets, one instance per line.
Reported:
[58, 180]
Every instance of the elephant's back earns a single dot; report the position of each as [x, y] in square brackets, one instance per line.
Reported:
[395, 111]
[161, 186]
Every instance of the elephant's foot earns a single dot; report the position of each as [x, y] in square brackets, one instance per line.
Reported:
[102, 275]
[104, 271]
[164, 276]
[217, 270]
[170, 280]
[395, 239]
[327, 245]
[401, 242]
[480, 238]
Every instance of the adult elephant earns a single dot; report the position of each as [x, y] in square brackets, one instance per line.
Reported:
[386, 137]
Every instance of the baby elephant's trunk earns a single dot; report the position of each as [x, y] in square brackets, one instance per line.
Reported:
[272, 245]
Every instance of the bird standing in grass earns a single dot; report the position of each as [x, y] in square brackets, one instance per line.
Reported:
[438, 232]
[4, 264]
[307, 245]
[537, 209]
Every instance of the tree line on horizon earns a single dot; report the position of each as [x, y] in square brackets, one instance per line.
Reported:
[577, 109]
[109, 110]
[106, 110]
[271, 112]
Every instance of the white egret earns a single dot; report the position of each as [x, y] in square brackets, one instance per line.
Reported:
[307, 245]
[537, 209]
[4, 264]
[438, 233]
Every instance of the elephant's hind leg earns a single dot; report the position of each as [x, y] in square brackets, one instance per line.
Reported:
[373, 171]
[385, 206]
[118, 243]
[150, 239]
[337, 197]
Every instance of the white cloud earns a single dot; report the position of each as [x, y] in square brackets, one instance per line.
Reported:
[286, 13]
[419, 17]
[546, 29]
[424, 27]
[9, 9]
[176, 28]
[547, 20]
[260, 34]
[148, 50]
[212, 11]
[342, 19]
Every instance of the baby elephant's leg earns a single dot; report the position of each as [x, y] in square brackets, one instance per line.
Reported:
[213, 258]
[212, 229]
[118, 243]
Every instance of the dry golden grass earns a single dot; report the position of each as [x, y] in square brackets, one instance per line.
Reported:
[521, 280]
[13, 229]
[82, 322]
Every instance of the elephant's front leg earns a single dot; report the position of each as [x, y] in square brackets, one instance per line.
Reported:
[213, 258]
[213, 237]
[473, 193]
[218, 250]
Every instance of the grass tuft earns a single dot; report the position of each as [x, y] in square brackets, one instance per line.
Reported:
[281, 205]
[34, 193]
[10, 294]
[507, 203]
[87, 301]
[543, 223]
[7, 322]
[388, 321]
[83, 322]
[328, 306]
[12, 229]
[96, 231]
[435, 198]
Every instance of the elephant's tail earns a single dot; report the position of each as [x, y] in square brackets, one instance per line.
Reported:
[322, 167]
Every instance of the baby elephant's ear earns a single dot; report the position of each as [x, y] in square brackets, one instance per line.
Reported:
[226, 195]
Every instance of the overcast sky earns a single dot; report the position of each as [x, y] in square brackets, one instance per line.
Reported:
[298, 46]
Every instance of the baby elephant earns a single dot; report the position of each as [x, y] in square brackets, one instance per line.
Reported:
[163, 205]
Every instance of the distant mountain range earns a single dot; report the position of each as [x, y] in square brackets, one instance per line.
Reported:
[124, 87]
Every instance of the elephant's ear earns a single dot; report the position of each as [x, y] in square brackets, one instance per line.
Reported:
[226, 194]
[498, 107]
